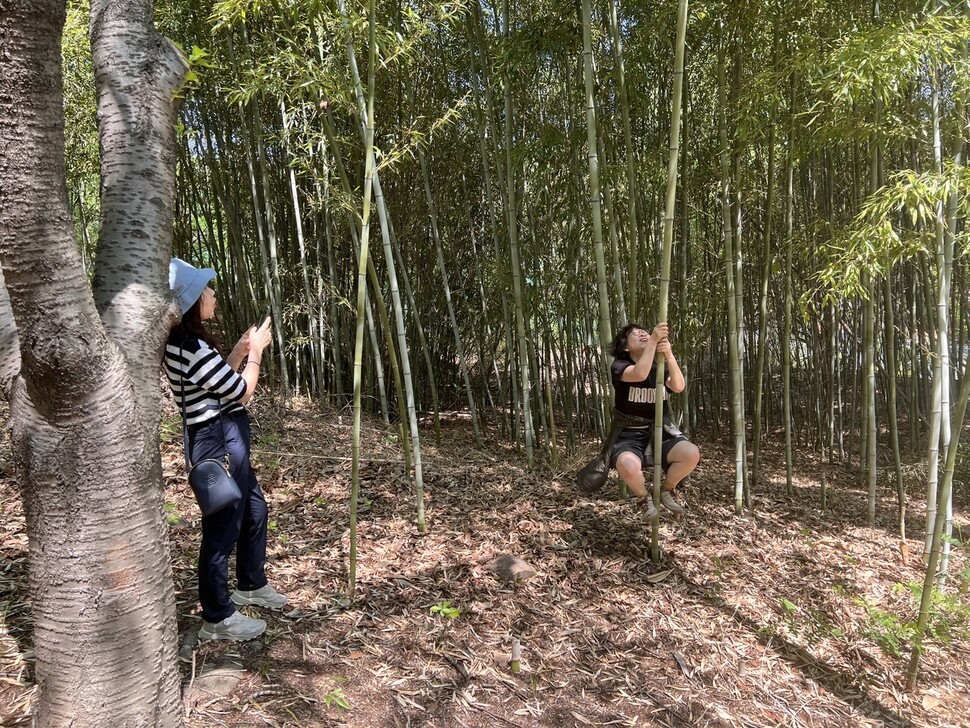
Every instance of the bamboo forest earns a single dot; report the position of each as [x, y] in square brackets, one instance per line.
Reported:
[411, 274]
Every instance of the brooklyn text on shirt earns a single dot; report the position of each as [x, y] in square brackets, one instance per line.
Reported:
[644, 395]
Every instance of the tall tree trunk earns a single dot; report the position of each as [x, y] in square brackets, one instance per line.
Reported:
[633, 231]
[315, 341]
[786, 323]
[940, 427]
[265, 219]
[369, 165]
[488, 133]
[936, 537]
[891, 403]
[433, 216]
[615, 253]
[952, 220]
[670, 207]
[763, 308]
[686, 401]
[84, 411]
[364, 110]
[337, 349]
[513, 231]
[734, 356]
[593, 164]
[592, 159]
[869, 372]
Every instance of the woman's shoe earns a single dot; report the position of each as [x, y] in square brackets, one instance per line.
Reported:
[265, 596]
[237, 626]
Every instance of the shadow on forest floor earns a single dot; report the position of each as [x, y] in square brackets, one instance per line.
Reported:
[759, 620]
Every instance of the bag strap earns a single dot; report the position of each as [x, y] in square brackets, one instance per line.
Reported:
[617, 423]
[185, 420]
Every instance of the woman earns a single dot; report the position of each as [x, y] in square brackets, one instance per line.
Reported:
[634, 374]
[215, 395]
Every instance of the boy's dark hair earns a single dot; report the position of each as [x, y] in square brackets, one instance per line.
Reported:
[191, 326]
[618, 347]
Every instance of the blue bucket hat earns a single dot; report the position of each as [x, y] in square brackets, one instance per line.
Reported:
[187, 282]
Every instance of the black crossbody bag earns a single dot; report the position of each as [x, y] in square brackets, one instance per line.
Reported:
[211, 481]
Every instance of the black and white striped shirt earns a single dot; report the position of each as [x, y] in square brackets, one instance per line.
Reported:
[210, 383]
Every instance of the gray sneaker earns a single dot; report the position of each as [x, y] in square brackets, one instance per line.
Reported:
[237, 626]
[670, 501]
[266, 596]
[647, 506]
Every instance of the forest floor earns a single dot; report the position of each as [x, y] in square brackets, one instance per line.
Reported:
[788, 616]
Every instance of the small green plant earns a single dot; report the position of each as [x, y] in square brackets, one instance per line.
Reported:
[273, 526]
[812, 623]
[723, 564]
[336, 699]
[170, 430]
[445, 609]
[959, 544]
[886, 629]
[789, 615]
[949, 619]
[320, 500]
[268, 440]
[822, 626]
[170, 514]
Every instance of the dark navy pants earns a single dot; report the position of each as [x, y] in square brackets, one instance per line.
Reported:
[242, 525]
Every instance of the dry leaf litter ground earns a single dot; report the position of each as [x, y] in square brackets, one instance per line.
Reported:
[762, 620]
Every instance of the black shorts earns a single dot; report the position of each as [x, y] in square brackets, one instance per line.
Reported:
[640, 443]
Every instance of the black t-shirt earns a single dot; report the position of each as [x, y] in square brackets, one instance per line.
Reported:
[635, 398]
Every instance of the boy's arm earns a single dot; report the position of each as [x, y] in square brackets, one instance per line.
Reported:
[675, 377]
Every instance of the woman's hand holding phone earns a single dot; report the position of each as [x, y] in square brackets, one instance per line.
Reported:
[261, 336]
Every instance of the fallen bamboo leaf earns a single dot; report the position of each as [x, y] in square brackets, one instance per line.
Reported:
[930, 703]
[685, 666]
[659, 576]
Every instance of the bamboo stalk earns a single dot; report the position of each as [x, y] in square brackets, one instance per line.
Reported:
[362, 290]
[734, 357]
[669, 210]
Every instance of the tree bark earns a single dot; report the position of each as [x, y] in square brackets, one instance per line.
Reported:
[9, 343]
[84, 410]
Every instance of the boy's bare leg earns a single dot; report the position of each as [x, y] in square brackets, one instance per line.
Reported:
[630, 468]
[681, 461]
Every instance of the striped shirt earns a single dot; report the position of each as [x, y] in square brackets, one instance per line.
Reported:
[210, 383]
